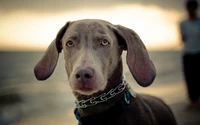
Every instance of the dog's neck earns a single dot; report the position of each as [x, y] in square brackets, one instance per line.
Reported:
[113, 82]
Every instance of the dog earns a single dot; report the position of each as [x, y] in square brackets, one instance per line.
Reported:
[92, 51]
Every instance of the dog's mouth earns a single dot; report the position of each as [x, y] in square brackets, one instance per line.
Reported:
[86, 88]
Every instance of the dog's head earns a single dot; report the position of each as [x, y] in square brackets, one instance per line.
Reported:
[92, 50]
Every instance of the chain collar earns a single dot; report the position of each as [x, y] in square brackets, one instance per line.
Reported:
[103, 97]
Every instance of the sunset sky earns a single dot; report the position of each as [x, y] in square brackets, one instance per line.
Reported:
[33, 24]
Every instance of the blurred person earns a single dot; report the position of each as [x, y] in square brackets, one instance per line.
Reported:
[190, 33]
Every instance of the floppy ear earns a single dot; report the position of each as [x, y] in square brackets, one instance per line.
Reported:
[137, 58]
[45, 67]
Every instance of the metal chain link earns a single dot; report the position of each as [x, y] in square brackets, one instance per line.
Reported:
[101, 98]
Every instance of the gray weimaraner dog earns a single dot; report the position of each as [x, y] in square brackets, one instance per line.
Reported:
[92, 51]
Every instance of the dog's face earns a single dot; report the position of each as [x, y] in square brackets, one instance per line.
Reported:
[92, 50]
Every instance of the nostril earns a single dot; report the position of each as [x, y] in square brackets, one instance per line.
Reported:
[88, 76]
[78, 76]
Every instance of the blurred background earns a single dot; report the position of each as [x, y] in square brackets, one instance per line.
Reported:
[28, 26]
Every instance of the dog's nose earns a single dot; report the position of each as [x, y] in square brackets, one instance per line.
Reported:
[83, 75]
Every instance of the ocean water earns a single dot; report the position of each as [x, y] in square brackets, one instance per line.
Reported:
[23, 97]
[17, 67]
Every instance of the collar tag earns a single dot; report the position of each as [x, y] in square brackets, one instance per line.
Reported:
[127, 97]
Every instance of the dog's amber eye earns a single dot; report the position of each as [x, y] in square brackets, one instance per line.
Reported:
[104, 42]
[70, 43]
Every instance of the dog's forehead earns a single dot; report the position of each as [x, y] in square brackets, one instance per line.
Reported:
[89, 26]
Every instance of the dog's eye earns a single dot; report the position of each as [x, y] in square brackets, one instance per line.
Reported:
[70, 43]
[104, 42]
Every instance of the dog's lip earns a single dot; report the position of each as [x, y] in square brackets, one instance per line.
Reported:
[86, 87]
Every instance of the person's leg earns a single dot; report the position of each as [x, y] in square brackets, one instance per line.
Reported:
[198, 78]
[190, 74]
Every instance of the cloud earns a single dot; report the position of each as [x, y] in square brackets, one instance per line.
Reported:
[63, 5]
